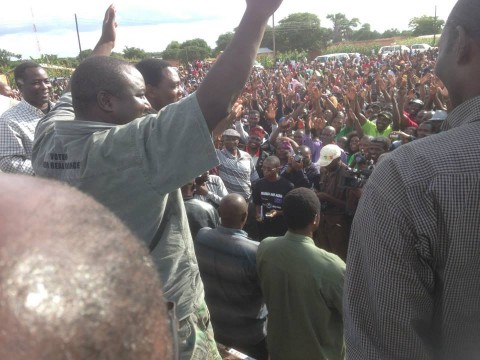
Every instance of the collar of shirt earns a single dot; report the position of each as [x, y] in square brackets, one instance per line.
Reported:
[257, 154]
[241, 154]
[231, 231]
[299, 238]
[466, 112]
[33, 109]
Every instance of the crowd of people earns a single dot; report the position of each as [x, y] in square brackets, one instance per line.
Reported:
[307, 211]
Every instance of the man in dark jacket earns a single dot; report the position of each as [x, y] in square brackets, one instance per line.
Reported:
[227, 261]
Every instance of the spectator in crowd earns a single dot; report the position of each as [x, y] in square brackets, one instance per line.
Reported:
[424, 129]
[7, 99]
[146, 156]
[301, 172]
[17, 125]
[412, 280]
[334, 226]
[65, 290]
[268, 195]
[378, 146]
[200, 214]
[227, 260]
[254, 149]
[209, 188]
[236, 168]
[302, 286]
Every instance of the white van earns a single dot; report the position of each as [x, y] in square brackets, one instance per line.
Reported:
[322, 59]
[393, 49]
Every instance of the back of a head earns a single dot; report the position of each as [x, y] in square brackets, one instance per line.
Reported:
[151, 70]
[300, 206]
[19, 72]
[74, 282]
[95, 74]
[233, 210]
[465, 13]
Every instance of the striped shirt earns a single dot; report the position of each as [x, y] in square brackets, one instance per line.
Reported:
[237, 172]
[17, 127]
[413, 267]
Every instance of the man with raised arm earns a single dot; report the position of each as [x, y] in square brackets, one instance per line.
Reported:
[98, 140]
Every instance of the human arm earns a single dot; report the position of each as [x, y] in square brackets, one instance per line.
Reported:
[388, 296]
[227, 77]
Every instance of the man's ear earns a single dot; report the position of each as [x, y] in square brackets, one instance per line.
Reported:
[105, 101]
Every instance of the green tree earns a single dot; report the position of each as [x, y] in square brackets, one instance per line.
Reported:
[195, 49]
[426, 25]
[342, 27]
[365, 33]
[5, 57]
[172, 50]
[299, 31]
[133, 53]
[223, 41]
[84, 54]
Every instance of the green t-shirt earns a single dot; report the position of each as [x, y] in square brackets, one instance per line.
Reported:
[370, 128]
[136, 170]
[303, 287]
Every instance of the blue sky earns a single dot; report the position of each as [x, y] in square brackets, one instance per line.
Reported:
[152, 25]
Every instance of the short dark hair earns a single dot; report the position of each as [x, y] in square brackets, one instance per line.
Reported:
[151, 70]
[465, 14]
[382, 141]
[19, 72]
[300, 206]
[95, 74]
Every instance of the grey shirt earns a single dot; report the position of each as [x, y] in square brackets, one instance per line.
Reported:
[135, 170]
[412, 285]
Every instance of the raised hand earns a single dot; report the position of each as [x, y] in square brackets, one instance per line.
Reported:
[263, 8]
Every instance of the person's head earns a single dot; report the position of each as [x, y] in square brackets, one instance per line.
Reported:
[301, 210]
[414, 106]
[330, 157]
[74, 282]
[233, 211]
[384, 119]
[188, 189]
[365, 143]
[328, 115]
[353, 142]
[458, 57]
[271, 168]
[283, 150]
[342, 142]
[298, 136]
[109, 90]
[5, 90]
[338, 121]
[378, 146]
[305, 151]
[32, 81]
[161, 81]
[255, 138]
[253, 118]
[424, 129]
[423, 115]
[327, 135]
[230, 139]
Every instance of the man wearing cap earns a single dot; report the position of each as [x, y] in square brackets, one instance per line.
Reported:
[380, 128]
[334, 229]
[236, 167]
[254, 140]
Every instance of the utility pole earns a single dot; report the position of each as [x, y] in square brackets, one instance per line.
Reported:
[78, 35]
[435, 27]
[273, 38]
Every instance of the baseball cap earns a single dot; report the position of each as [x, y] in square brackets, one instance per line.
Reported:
[231, 132]
[329, 153]
[439, 115]
[416, 101]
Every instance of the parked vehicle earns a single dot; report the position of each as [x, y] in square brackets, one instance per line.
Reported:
[332, 57]
[393, 49]
[420, 48]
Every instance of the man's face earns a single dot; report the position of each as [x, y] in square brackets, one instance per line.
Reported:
[413, 108]
[253, 119]
[382, 123]
[254, 142]
[327, 136]
[230, 143]
[307, 155]
[167, 91]
[375, 150]
[298, 137]
[338, 122]
[35, 87]
[425, 129]
[131, 102]
[270, 171]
